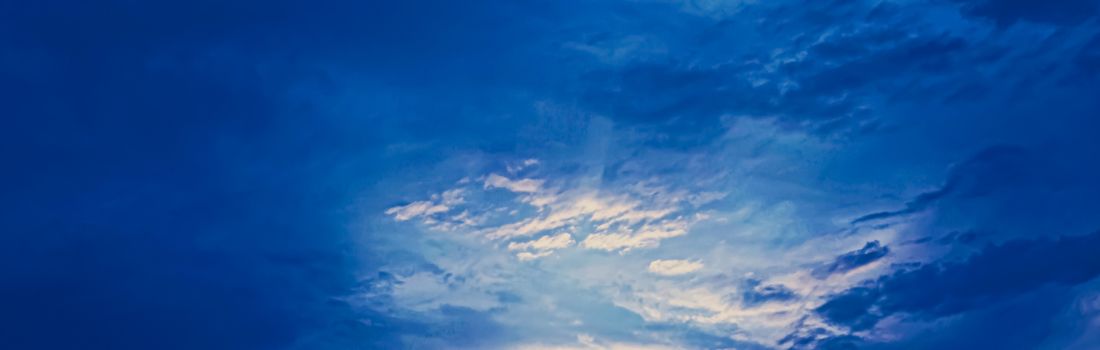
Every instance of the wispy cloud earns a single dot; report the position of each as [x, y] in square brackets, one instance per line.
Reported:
[437, 204]
[619, 221]
[674, 267]
[541, 247]
[518, 185]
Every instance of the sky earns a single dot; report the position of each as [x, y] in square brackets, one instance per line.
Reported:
[550, 174]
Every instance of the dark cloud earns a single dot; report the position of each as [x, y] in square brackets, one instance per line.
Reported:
[755, 294]
[1042, 319]
[851, 57]
[997, 273]
[820, 339]
[896, 62]
[852, 308]
[991, 169]
[871, 252]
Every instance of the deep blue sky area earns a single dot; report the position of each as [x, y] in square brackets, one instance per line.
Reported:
[638, 174]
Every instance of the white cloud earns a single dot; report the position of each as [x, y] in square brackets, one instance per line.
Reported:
[526, 163]
[545, 243]
[607, 211]
[518, 186]
[453, 197]
[528, 256]
[646, 236]
[415, 209]
[541, 247]
[674, 267]
[619, 219]
[438, 203]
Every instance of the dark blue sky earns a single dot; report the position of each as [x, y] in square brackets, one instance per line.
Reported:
[647, 174]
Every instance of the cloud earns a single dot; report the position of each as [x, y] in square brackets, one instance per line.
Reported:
[429, 291]
[757, 293]
[588, 342]
[272, 137]
[563, 209]
[616, 219]
[994, 274]
[646, 236]
[528, 256]
[544, 243]
[520, 166]
[541, 247]
[831, 70]
[440, 203]
[416, 209]
[870, 253]
[674, 267]
[519, 186]
[990, 169]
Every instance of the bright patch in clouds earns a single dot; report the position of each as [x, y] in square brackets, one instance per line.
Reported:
[645, 236]
[614, 221]
[529, 231]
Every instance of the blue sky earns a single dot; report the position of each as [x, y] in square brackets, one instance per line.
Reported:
[680, 174]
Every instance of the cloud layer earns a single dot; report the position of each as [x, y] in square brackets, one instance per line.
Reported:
[550, 174]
